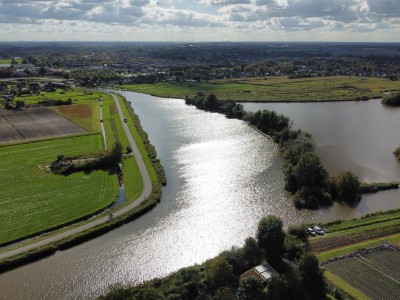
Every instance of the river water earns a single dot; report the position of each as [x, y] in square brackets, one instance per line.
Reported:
[222, 178]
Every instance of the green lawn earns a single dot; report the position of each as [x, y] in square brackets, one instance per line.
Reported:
[38, 200]
[279, 89]
[32, 199]
[77, 96]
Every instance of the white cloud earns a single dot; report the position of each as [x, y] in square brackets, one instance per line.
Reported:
[242, 19]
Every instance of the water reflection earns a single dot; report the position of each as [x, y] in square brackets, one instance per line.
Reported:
[222, 178]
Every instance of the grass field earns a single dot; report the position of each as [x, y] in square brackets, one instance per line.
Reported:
[81, 193]
[8, 61]
[77, 96]
[275, 89]
[32, 199]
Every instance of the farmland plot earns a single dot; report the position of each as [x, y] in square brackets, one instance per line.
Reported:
[374, 272]
[34, 124]
[33, 199]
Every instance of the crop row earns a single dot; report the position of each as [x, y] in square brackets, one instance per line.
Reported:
[371, 281]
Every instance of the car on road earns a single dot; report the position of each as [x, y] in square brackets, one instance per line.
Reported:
[319, 230]
[311, 231]
[125, 120]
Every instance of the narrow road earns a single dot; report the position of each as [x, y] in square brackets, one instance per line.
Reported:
[103, 131]
[146, 192]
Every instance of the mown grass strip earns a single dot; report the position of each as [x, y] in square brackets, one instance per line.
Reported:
[347, 288]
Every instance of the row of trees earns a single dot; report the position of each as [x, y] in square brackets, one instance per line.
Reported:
[218, 278]
[210, 103]
[305, 176]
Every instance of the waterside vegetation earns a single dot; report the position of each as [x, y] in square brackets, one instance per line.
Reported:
[305, 176]
[298, 275]
[397, 153]
[392, 99]
[291, 255]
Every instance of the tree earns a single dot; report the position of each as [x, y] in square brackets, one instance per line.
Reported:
[348, 188]
[19, 104]
[309, 171]
[149, 293]
[270, 237]
[312, 275]
[251, 289]
[252, 252]
[42, 71]
[277, 289]
[114, 156]
[219, 272]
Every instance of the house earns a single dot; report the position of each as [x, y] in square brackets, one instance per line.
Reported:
[263, 272]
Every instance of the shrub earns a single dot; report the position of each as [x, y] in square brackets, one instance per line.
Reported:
[392, 99]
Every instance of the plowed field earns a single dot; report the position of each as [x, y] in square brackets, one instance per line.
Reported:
[34, 123]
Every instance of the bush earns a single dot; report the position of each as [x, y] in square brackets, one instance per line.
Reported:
[348, 188]
[298, 230]
[397, 153]
[392, 99]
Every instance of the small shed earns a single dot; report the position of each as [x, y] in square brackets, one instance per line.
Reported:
[263, 272]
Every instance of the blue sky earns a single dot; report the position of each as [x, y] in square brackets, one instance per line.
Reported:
[204, 20]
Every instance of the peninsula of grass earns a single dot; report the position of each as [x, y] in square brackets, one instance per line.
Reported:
[275, 89]
[33, 200]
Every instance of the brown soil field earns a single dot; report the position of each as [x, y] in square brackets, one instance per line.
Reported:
[82, 114]
[35, 123]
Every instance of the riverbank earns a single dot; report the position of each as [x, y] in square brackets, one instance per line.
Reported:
[146, 201]
[196, 279]
[275, 89]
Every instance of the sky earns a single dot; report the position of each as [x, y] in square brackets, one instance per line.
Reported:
[199, 21]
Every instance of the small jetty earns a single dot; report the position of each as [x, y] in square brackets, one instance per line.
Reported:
[259, 131]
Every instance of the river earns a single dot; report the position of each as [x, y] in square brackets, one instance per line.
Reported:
[222, 177]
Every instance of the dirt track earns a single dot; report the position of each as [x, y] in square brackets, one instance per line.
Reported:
[35, 123]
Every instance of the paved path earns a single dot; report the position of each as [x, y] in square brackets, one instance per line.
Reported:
[103, 131]
[146, 192]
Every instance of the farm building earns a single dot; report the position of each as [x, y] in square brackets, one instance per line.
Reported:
[263, 272]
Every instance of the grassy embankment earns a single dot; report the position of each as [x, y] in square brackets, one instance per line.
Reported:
[132, 188]
[276, 89]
